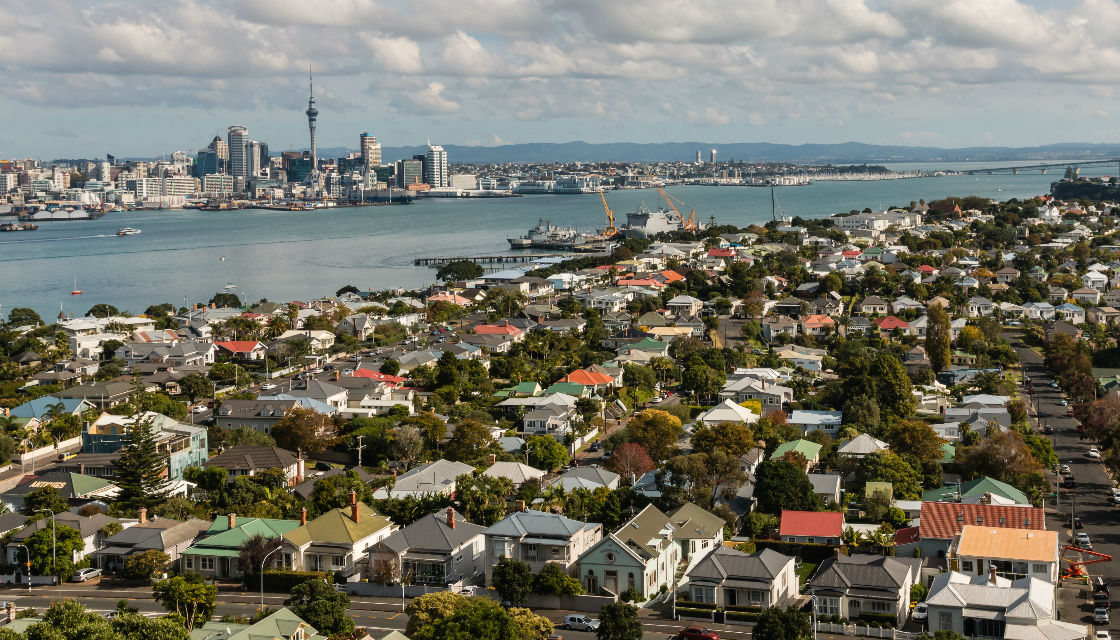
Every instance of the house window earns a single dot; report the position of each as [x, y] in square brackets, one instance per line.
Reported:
[1039, 568]
[206, 563]
[810, 540]
[944, 621]
[703, 594]
[966, 566]
[880, 606]
[630, 580]
[190, 562]
[336, 561]
[828, 606]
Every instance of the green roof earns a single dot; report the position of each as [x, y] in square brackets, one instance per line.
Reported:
[648, 344]
[571, 388]
[337, 526]
[84, 485]
[977, 487]
[806, 448]
[949, 452]
[221, 539]
[282, 624]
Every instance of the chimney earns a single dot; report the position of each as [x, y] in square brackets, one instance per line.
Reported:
[493, 458]
[336, 375]
[992, 578]
[354, 507]
[232, 520]
[143, 515]
[764, 384]
[521, 505]
[451, 517]
[303, 516]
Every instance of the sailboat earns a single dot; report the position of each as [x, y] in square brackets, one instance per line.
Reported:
[75, 291]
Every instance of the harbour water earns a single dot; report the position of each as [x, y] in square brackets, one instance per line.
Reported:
[283, 255]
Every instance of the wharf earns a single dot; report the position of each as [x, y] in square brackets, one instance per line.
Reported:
[492, 259]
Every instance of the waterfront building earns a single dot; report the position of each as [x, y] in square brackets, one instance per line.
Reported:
[179, 186]
[436, 172]
[220, 147]
[712, 156]
[238, 151]
[699, 159]
[9, 182]
[207, 162]
[409, 172]
[253, 159]
[104, 171]
[371, 152]
[217, 184]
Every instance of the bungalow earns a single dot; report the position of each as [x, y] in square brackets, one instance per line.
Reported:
[538, 537]
[727, 411]
[162, 534]
[642, 550]
[861, 446]
[516, 472]
[814, 527]
[859, 584]
[1039, 311]
[684, 305]
[1087, 295]
[906, 304]
[319, 340]
[942, 522]
[727, 577]
[778, 328]
[806, 420]
[88, 527]
[1057, 295]
[827, 486]
[817, 325]
[242, 349]
[1102, 315]
[216, 554]
[1008, 552]
[979, 307]
[987, 606]
[811, 451]
[435, 551]
[339, 540]
[1007, 275]
[772, 396]
[362, 325]
[249, 460]
[889, 324]
[1071, 313]
[589, 478]
[433, 478]
[873, 305]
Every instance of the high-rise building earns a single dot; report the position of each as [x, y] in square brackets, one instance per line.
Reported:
[253, 158]
[207, 163]
[264, 159]
[698, 158]
[312, 117]
[435, 167]
[712, 156]
[238, 138]
[219, 147]
[409, 172]
[371, 152]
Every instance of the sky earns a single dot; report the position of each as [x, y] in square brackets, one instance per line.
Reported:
[142, 78]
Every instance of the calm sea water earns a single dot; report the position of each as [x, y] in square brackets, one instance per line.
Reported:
[300, 255]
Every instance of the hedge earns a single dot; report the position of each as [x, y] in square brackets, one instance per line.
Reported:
[284, 580]
[742, 615]
[743, 607]
[807, 552]
[696, 613]
[881, 618]
[692, 604]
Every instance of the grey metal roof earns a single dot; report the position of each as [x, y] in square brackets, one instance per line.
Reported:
[724, 563]
[537, 523]
[862, 571]
[432, 533]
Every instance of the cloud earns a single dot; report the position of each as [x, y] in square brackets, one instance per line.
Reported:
[428, 100]
[61, 132]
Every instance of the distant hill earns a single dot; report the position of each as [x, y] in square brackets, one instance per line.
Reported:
[843, 153]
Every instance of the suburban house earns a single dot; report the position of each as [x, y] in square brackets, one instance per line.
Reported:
[816, 527]
[1011, 553]
[184, 445]
[161, 534]
[684, 305]
[808, 449]
[807, 420]
[982, 489]
[249, 460]
[89, 527]
[861, 446]
[991, 606]
[76, 489]
[517, 472]
[697, 530]
[590, 478]
[772, 396]
[242, 349]
[216, 552]
[436, 550]
[281, 625]
[432, 478]
[338, 540]
[728, 577]
[941, 522]
[857, 585]
[538, 537]
[261, 415]
[727, 411]
[640, 555]
[827, 486]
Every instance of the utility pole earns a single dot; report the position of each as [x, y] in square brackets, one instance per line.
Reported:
[359, 448]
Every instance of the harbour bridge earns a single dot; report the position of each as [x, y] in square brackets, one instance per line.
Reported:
[1044, 168]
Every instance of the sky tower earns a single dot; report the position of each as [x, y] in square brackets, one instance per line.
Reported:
[312, 116]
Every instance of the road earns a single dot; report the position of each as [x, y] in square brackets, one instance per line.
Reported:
[1090, 499]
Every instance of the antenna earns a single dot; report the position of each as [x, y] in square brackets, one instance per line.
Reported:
[310, 81]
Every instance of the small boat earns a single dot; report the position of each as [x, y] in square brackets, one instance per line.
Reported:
[222, 259]
[128, 231]
[75, 291]
[229, 286]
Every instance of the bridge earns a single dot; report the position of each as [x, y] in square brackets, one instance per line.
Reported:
[1047, 166]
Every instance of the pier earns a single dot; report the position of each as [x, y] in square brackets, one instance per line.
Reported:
[494, 259]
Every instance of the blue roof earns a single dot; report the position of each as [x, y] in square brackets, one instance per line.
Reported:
[39, 407]
[307, 403]
[1069, 306]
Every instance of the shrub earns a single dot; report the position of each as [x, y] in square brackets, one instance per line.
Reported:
[285, 580]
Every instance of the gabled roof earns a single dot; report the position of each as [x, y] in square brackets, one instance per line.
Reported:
[434, 533]
[517, 472]
[238, 346]
[221, 539]
[943, 520]
[433, 477]
[862, 444]
[862, 571]
[336, 526]
[538, 523]
[806, 448]
[646, 533]
[694, 522]
[281, 625]
[817, 524]
[977, 487]
[253, 457]
[587, 378]
[724, 563]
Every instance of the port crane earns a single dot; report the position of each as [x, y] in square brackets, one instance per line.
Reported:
[690, 223]
[611, 230]
[1076, 569]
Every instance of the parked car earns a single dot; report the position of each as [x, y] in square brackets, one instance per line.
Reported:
[1064, 469]
[199, 409]
[1114, 495]
[1063, 402]
[1069, 482]
[697, 633]
[317, 370]
[1100, 615]
[1082, 540]
[268, 386]
[581, 623]
[1102, 635]
[921, 611]
[83, 575]
[595, 446]
[323, 466]
[1078, 523]
[1095, 454]
[1047, 430]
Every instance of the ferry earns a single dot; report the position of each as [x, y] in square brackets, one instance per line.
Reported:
[128, 231]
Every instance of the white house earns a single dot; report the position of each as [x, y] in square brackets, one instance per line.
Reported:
[809, 420]
[640, 555]
[727, 411]
[728, 577]
[995, 607]
[1011, 553]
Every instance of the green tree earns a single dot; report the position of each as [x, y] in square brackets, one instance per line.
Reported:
[102, 310]
[655, 430]
[555, 581]
[482, 499]
[407, 444]
[333, 492]
[390, 367]
[513, 580]
[780, 485]
[195, 386]
[431, 426]
[305, 429]
[736, 438]
[916, 438]
[470, 440]
[188, 597]
[141, 468]
[130, 624]
[619, 621]
[701, 379]
[459, 270]
[887, 466]
[53, 555]
[145, 565]
[44, 498]
[452, 616]
[321, 606]
[109, 349]
[23, 316]
[545, 452]
[775, 623]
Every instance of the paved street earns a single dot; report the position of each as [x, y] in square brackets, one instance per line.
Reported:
[1089, 500]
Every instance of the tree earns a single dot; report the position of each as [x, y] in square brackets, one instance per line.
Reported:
[894, 392]
[321, 606]
[141, 468]
[23, 316]
[390, 367]
[655, 430]
[469, 441]
[555, 581]
[145, 565]
[630, 460]
[916, 438]
[44, 498]
[333, 492]
[546, 453]
[52, 553]
[780, 485]
[887, 466]
[703, 477]
[999, 455]
[482, 499]
[513, 580]
[252, 553]
[109, 349]
[619, 621]
[938, 337]
[347, 288]
[431, 426]
[775, 623]
[187, 596]
[304, 429]
[425, 610]
[452, 616]
[195, 386]
[736, 438]
[408, 444]
[700, 379]
[102, 310]
[459, 270]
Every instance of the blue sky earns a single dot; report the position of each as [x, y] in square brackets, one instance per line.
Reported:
[130, 77]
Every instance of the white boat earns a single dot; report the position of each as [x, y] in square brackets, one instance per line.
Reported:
[128, 231]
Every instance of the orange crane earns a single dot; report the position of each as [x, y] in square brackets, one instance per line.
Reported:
[690, 223]
[1076, 569]
[611, 230]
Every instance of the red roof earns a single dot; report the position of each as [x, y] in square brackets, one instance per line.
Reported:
[238, 346]
[497, 330]
[890, 323]
[377, 375]
[818, 320]
[672, 276]
[816, 524]
[587, 378]
[943, 520]
[721, 253]
[925, 268]
[906, 535]
[852, 253]
[642, 282]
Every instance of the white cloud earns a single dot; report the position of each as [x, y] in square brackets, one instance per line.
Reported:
[428, 100]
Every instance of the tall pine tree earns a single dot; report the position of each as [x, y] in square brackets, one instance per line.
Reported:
[141, 468]
[938, 338]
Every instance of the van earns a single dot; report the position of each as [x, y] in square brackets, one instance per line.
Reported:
[1099, 585]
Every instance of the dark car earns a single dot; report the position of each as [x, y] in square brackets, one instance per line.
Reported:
[1069, 483]
[595, 446]
[697, 633]
[1048, 430]
[1078, 523]
[323, 466]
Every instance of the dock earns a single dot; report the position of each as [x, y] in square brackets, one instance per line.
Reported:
[510, 258]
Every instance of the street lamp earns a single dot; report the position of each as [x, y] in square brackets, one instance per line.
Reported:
[265, 558]
[814, 612]
[400, 565]
[54, 540]
[28, 552]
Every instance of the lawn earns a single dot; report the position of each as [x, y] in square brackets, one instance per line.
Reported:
[805, 571]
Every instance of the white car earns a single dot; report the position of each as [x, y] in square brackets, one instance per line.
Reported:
[581, 623]
[921, 611]
[268, 386]
[199, 409]
[1095, 454]
[1100, 615]
[317, 370]
[1102, 635]
[85, 574]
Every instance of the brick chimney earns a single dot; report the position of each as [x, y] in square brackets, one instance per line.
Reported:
[303, 516]
[143, 515]
[493, 458]
[232, 520]
[992, 578]
[354, 506]
[451, 517]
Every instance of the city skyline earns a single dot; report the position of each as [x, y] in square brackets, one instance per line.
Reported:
[110, 79]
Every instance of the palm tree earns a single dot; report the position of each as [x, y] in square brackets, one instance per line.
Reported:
[850, 537]
[277, 325]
